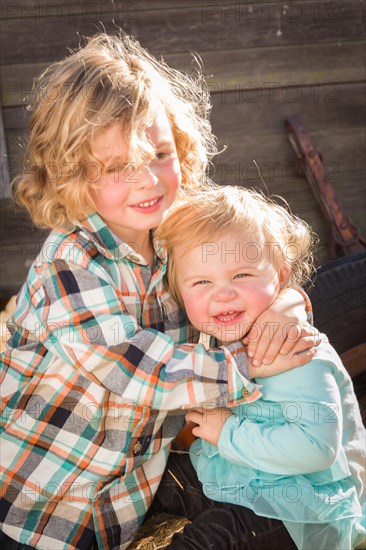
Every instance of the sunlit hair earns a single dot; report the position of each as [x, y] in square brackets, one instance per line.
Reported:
[209, 214]
[111, 78]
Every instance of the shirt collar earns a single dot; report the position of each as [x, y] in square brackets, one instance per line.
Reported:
[111, 246]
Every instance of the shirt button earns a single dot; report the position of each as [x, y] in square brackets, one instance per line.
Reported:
[246, 392]
[137, 448]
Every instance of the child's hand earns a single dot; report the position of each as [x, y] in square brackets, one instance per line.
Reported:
[209, 423]
[279, 328]
[301, 354]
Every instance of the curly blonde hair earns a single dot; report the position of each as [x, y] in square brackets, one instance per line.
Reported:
[208, 214]
[110, 79]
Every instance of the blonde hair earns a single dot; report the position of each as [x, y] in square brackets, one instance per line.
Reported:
[210, 213]
[111, 78]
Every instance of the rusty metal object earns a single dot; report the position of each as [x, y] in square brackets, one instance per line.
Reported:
[345, 237]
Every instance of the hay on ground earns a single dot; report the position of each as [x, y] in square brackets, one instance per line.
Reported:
[157, 532]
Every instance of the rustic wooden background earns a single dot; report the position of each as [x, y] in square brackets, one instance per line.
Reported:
[263, 61]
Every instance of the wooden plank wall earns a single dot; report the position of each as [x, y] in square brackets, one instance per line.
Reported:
[263, 62]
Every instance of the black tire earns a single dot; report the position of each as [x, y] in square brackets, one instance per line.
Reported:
[339, 301]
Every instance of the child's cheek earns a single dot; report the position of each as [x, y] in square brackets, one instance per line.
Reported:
[197, 312]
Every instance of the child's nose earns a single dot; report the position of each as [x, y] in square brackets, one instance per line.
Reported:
[147, 177]
[225, 294]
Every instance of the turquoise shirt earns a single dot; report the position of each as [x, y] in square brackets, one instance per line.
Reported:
[297, 454]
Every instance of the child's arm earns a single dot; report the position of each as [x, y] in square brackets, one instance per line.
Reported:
[280, 326]
[85, 323]
[307, 438]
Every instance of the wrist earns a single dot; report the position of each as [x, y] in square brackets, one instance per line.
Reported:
[296, 296]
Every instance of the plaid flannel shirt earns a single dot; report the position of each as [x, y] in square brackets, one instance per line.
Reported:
[93, 383]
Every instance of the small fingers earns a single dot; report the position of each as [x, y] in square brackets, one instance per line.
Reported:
[194, 417]
[292, 335]
[260, 339]
[197, 431]
[308, 334]
[308, 330]
[311, 332]
[273, 349]
[272, 341]
[283, 364]
[282, 344]
[264, 344]
[303, 344]
[301, 358]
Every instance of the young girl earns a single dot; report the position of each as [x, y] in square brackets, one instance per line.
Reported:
[298, 453]
[99, 350]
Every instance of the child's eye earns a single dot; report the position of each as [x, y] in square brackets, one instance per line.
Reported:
[122, 171]
[112, 169]
[162, 155]
[203, 282]
[125, 167]
[241, 275]
[115, 168]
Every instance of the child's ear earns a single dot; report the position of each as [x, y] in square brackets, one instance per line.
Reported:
[284, 275]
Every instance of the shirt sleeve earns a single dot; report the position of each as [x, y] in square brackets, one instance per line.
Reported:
[308, 306]
[299, 431]
[83, 321]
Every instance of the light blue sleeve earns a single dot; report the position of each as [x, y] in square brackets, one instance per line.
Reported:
[295, 429]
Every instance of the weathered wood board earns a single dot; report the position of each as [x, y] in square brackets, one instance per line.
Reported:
[263, 61]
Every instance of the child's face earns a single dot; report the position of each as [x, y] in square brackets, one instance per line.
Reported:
[226, 284]
[131, 199]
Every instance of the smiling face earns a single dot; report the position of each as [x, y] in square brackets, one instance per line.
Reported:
[226, 284]
[132, 198]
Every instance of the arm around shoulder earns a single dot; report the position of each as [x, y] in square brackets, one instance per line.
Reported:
[86, 323]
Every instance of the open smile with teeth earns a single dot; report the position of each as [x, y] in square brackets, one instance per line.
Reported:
[146, 204]
[228, 316]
